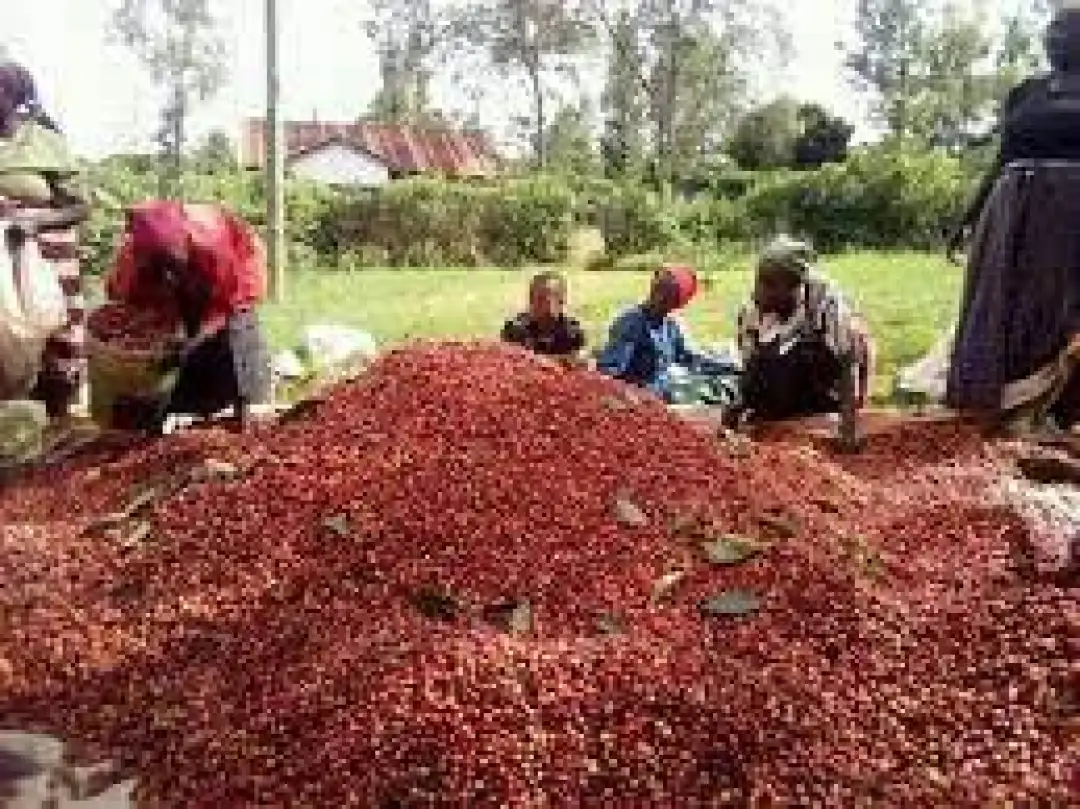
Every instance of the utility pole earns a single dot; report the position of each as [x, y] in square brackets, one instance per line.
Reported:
[275, 167]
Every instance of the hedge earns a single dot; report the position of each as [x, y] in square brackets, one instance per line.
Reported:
[880, 198]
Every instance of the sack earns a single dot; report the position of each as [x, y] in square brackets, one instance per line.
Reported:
[32, 307]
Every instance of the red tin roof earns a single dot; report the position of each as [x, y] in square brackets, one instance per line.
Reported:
[403, 149]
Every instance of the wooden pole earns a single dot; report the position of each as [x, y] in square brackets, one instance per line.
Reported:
[275, 166]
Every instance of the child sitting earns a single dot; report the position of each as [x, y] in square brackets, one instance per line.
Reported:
[545, 328]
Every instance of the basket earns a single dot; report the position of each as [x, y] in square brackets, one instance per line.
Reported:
[115, 373]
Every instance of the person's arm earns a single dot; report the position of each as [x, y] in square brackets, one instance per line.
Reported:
[512, 332]
[575, 337]
[974, 209]
[846, 335]
[617, 354]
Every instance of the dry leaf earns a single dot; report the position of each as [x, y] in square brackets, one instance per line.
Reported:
[629, 514]
[665, 584]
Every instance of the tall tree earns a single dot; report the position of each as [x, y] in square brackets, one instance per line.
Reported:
[690, 60]
[179, 44]
[215, 154]
[887, 57]
[623, 102]
[824, 138]
[571, 145]
[765, 138]
[529, 38]
[955, 89]
[407, 35]
[1020, 51]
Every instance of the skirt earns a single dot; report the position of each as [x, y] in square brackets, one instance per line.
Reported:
[1021, 299]
[232, 367]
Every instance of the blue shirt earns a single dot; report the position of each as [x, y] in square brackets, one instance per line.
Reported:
[642, 350]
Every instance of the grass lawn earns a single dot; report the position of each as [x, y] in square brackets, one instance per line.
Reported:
[907, 297]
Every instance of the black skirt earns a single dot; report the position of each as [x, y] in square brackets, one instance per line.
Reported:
[232, 367]
[1021, 300]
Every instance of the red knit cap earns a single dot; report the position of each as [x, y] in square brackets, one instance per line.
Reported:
[684, 280]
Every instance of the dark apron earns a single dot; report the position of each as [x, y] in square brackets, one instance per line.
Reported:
[230, 368]
[802, 381]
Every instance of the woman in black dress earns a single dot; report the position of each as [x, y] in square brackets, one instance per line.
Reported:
[1021, 301]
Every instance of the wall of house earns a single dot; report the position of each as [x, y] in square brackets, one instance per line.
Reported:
[336, 164]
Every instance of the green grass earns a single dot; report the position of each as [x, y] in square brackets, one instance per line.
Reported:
[908, 299]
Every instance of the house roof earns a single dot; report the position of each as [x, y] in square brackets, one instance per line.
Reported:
[401, 148]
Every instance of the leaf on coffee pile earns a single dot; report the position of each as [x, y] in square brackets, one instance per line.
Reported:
[436, 604]
[513, 616]
[300, 411]
[731, 550]
[665, 584]
[784, 525]
[615, 403]
[691, 526]
[864, 555]
[628, 513]
[731, 602]
[338, 524]
[138, 535]
[610, 624]
[142, 500]
[212, 471]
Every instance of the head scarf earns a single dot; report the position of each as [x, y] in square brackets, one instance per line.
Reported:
[683, 280]
[17, 83]
[788, 255]
[158, 226]
[1063, 39]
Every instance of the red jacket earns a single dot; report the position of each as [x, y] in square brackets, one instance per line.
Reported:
[222, 248]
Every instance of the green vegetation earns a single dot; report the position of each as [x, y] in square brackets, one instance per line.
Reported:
[907, 297]
[882, 197]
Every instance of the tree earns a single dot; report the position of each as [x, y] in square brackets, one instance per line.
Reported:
[824, 138]
[766, 137]
[528, 37]
[178, 42]
[956, 98]
[622, 144]
[407, 35]
[891, 42]
[689, 59]
[1020, 52]
[571, 146]
[215, 154]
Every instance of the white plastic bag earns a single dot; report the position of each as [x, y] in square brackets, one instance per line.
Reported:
[331, 348]
[929, 376]
[32, 307]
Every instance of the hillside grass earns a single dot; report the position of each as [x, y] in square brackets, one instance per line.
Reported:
[908, 298]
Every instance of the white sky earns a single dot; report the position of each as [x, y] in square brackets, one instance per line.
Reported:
[106, 104]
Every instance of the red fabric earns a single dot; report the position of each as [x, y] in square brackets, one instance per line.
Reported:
[222, 248]
[686, 283]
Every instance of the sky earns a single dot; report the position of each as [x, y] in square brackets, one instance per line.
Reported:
[329, 68]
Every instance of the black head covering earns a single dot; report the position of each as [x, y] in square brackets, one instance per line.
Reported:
[1063, 41]
[17, 83]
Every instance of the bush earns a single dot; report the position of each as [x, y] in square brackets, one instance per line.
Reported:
[634, 220]
[430, 223]
[882, 197]
[879, 198]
